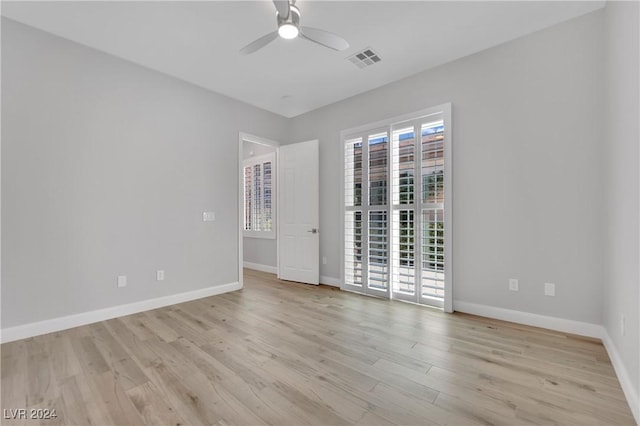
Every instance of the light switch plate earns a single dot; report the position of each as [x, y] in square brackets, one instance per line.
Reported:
[122, 280]
[513, 284]
[160, 275]
[549, 289]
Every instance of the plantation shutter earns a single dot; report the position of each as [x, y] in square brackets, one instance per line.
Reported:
[259, 204]
[396, 228]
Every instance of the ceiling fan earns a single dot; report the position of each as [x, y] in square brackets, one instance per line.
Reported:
[288, 19]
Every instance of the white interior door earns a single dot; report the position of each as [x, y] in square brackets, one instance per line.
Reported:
[298, 233]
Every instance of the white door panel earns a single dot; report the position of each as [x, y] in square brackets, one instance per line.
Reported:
[299, 217]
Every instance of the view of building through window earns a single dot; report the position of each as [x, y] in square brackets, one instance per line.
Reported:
[381, 247]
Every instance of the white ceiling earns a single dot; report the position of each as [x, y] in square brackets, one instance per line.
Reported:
[199, 41]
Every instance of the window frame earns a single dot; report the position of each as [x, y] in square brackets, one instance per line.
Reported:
[390, 124]
[251, 162]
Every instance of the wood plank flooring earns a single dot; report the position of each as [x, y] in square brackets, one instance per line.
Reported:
[282, 353]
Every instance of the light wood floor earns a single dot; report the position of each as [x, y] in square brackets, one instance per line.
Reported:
[282, 353]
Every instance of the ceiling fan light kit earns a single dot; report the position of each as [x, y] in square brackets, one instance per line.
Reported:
[288, 31]
[288, 28]
[288, 19]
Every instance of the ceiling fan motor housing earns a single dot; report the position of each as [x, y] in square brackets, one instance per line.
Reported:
[288, 19]
[292, 19]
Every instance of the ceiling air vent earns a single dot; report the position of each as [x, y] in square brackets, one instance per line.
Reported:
[364, 58]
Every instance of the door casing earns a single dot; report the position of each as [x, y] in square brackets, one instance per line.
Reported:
[242, 137]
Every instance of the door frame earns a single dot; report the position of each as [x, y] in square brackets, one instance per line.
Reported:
[248, 137]
[445, 109]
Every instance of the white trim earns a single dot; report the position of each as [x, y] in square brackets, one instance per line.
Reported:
[393, 120]
[240, 191]
[260, 267]
[633, 399]
[448, 208]
[334, 282]
[535, 320]
[566, 326]
[257, 159]
[243, 136]
[62, 323]
[261, 235]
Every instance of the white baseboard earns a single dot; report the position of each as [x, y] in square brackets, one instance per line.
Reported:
[623, 376]
[535, 320]
[334, 282]
[565, 326]
[62, 323]
[261, 268]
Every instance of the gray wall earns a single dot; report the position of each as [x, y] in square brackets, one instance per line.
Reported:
[106, 170]
[620, 151]
[259, 250]
[527, 119]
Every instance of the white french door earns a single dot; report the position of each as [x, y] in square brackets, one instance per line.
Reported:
[366, 213]
[397, 209]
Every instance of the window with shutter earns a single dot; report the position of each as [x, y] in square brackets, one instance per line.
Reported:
[353, 215]
[259, 192]
[396, 222]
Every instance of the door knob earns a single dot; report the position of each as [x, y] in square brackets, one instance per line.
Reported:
[314, 230]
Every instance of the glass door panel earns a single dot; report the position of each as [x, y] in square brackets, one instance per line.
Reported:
[396, 226]
[432, 269]
[378, 170]
[353, 248]
[404, 268]
[403, 165]
[378, 253]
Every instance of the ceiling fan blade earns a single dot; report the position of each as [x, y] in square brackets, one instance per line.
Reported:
[259, 43]
[282, 6]
[324, 38]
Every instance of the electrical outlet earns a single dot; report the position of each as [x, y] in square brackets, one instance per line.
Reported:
[324, 260]
[122, 280]
[622, 321]
[549, 289]
[208, 216]
[160, 275]
[513, 284]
